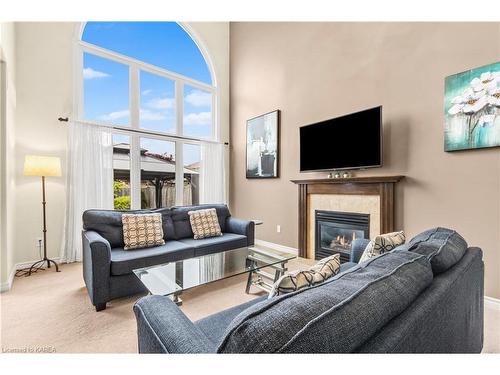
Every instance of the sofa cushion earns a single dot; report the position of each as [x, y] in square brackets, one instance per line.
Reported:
[345, 266]
[108, 223]
[125, 261]
[167, 223]
[214, 326]
[182, 225]
[443, 247]
[227, 241]
[351, 307]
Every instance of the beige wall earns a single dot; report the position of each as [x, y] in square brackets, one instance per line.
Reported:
[45, 92]
[7, 141]
[315, 71]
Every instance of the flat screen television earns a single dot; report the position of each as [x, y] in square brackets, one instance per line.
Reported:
[353, 141]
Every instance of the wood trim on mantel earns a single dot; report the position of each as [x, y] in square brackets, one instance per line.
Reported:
[349, 180]
[382, 186]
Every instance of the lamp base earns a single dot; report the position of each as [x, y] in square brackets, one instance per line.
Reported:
[35, 266]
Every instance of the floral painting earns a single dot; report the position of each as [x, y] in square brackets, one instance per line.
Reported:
[472, 109]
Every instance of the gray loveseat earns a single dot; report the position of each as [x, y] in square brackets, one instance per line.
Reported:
[107, 268]
[424, 297]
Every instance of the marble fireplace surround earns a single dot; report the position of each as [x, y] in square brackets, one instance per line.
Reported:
[368, 195]
[363, 204]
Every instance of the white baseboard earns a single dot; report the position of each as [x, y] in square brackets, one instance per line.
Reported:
[6, 286]
[20, 266]
[276, 246]
[492, 303]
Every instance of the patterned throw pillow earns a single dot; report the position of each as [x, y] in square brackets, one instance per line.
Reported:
[204, 223]
[296, 280]
[142, 230]
[383, 244]
[326, 268]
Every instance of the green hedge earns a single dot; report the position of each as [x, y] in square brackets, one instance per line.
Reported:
[122, 203]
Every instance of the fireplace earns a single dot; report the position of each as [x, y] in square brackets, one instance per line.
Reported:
[335, 232]
[374, 196]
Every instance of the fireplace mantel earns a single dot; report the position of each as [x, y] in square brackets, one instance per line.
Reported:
[351, 180]
[381, 186]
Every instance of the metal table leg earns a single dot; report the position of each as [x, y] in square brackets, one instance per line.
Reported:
[176, 299]
[256, 277]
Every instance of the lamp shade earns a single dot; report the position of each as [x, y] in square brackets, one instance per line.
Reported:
[42, 166]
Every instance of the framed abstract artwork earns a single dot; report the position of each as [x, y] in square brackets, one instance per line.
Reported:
[263, 146]
[472, 109]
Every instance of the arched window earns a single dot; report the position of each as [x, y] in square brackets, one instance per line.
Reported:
[154, 85]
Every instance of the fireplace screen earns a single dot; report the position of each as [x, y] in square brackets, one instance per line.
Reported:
[335, 232]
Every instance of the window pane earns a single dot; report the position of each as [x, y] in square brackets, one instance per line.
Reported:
[197, 112]
[192, 159]
[157, 103]
[121, 171]
[106, 90]
[163, 44]
[157, 173]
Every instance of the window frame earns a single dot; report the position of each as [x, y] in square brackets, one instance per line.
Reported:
[134, 131]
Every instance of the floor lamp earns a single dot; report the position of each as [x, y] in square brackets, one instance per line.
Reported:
[44, 166]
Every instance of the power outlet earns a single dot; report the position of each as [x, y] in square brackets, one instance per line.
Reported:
[38, 243]
[278, 228]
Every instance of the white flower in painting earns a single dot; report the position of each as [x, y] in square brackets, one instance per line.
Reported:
[486, 120]
[469, 102]
[497, 77]
[487, 80]
[475, 103]
[494, 96]
[458, 104]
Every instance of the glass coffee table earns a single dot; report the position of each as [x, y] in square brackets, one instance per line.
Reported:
[171, 279]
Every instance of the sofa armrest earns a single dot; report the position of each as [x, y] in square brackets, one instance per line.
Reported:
[163, 328]
[96, 266]
[357, 249]
[243, 227]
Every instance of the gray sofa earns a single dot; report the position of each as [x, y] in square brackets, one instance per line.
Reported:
[107, 267]
[424, 297]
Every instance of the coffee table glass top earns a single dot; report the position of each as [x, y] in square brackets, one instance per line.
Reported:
[175, 277]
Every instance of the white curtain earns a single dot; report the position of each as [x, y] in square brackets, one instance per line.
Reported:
[89, 181]
[212, 267]
[212, 190]
[212, 174]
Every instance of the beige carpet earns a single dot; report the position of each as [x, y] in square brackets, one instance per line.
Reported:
[52, 311]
